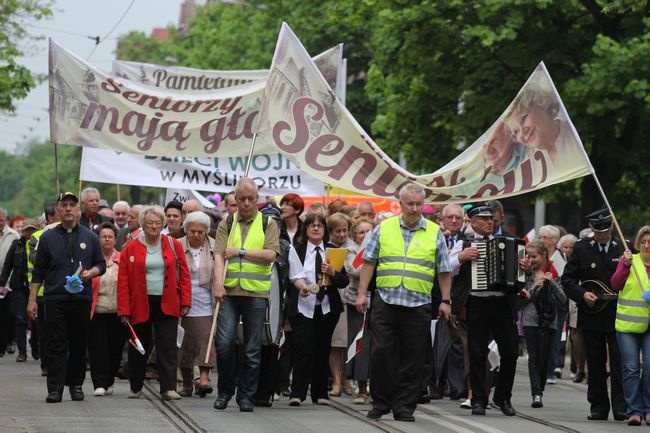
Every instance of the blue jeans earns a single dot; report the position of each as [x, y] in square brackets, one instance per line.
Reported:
[636, 378]
[252, 312]
[556, 341]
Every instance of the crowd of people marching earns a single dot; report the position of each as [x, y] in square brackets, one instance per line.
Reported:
[131, 292]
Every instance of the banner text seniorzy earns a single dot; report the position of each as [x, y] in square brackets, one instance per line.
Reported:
[135, 123]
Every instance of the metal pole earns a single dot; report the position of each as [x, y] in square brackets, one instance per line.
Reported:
[56, 169]
[615, 221]
[250, 155]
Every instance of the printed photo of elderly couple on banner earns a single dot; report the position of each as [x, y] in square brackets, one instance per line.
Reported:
[533, 144]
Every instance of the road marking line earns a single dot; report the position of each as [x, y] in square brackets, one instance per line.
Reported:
[465, 420]
[444, 423]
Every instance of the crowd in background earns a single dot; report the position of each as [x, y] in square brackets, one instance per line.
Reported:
[158, 279]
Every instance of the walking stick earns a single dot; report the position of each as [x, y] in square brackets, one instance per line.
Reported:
[216, 307]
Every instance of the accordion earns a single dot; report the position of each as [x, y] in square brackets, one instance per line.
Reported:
[497, 267]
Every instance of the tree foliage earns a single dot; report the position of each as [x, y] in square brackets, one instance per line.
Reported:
[15, 80]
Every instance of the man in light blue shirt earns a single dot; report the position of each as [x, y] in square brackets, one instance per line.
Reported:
[401, 313]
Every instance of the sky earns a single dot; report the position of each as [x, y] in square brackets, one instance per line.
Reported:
[71, 24]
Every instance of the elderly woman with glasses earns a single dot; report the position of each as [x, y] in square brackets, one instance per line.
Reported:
[153, 291]
[313, 309]
[198, 253]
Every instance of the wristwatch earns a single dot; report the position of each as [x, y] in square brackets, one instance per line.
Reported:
[242, 253]
[446, 301]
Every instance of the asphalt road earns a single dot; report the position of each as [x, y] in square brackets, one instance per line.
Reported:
[23, 409]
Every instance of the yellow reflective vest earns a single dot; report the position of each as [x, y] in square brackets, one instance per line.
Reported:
[251, 276]
[414, 270]
[632, 314]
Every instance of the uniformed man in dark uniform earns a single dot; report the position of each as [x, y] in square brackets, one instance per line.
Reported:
[595, 259]
[488, 314]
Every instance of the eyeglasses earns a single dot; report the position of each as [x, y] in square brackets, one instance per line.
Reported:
[316, 226]
[153, 223]
[453, 217]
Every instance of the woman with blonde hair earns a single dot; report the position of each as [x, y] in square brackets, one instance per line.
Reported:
[153, 291]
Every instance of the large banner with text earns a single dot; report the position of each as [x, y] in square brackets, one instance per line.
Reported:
[532, 145]
[161, 111]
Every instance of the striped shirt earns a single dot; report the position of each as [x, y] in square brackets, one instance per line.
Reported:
[400, 295]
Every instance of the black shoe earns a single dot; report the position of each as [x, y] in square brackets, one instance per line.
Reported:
[596, 416]
[263, 403]
[245, 406]
[221, 403]
[478, 409]
[537, 402]
[54, 397]
[403, 416]
[458, 396]
[76, 394]
[22, 357]
[580, 376]
[620, 416]
[424, 399]
[44, 372]
[376, 413]
[506, 407]
[435, 396]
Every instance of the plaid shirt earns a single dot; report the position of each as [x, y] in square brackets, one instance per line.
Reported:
[400, 295]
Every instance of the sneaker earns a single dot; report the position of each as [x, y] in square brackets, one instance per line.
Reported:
[572, 376]
[558, 373]
[537, 402]
[109, 391]
[322, 402]
[551, 381]
[467, 404]
[170, 395]
[22, 357]
[277, 397]
[134, 394]
[99, 392]
[294, 401]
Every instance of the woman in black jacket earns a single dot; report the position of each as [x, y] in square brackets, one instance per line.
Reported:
[313, 309]
[16, 265]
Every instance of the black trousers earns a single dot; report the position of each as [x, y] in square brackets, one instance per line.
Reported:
[6, 323]
[19, 312]
[268, 378]
[538, 344]
[164, 328]
[597, 345]
[491, 317]
[41, 329]
[312, 342]
[399, 344]
[67, 324]
[105, 341]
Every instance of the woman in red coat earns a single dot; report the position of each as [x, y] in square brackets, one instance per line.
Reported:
[153, 290]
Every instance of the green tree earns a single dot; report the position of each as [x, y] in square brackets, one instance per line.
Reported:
[15, 80]
[432, 56]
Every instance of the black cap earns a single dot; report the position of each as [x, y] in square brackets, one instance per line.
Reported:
[271, 210]
[65, 195]
[600, 221]
[480, 209]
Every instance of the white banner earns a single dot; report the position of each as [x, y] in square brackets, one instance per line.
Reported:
[532, 145]
[196, 116]
[275, 174]
[177, 79]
